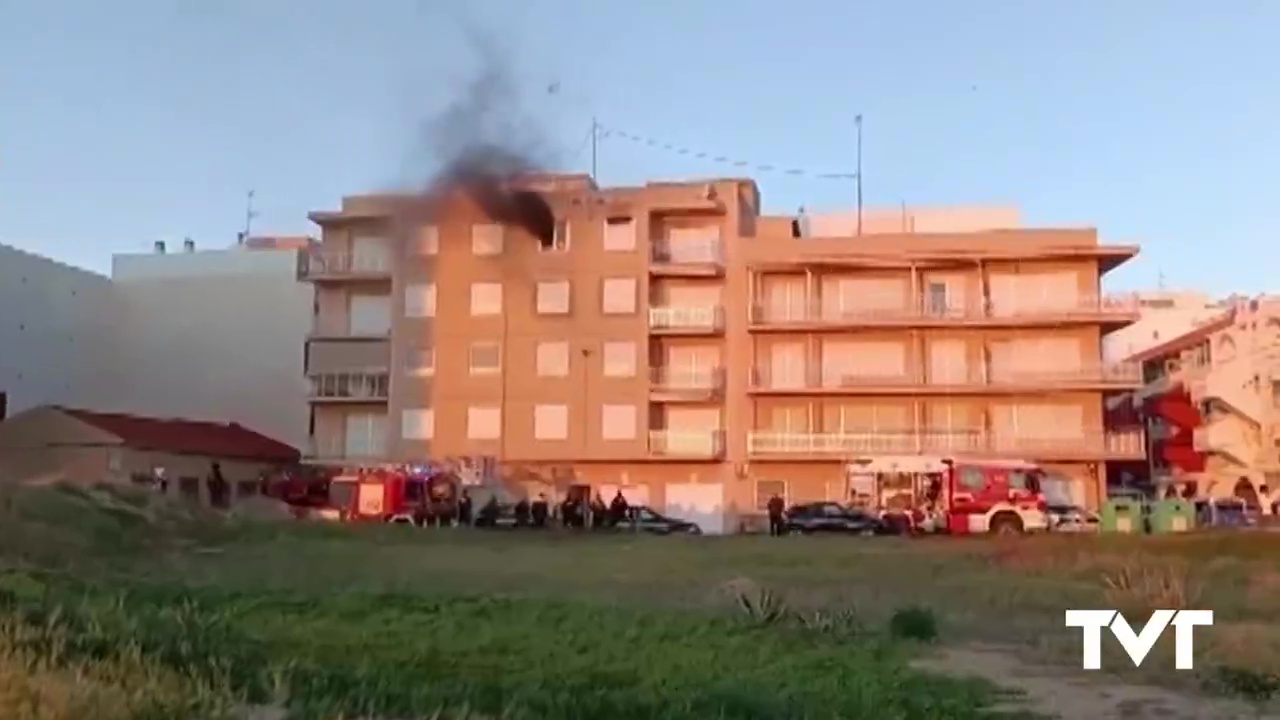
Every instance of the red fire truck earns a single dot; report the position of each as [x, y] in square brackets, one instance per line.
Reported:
[954, 495]
[395, 495]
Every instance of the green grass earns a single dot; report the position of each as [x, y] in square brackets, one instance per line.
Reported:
[141, 608]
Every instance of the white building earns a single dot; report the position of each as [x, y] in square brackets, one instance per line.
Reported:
[55, 330]
[1165, 316]
[210, 335]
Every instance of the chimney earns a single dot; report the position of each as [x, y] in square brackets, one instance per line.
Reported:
[188, 245]
[159, 247]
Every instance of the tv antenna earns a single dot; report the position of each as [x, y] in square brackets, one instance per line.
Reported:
[249, 215]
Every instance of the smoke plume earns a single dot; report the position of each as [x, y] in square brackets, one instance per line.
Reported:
[483, 141]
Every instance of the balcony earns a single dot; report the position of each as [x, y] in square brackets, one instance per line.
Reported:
[974, 380]
[670, 384]
[1093, 445]
[336, 449]
[1107, 310]
[686, 320]
[339, 265]
[688, 445]
[356, 386]
[325, 327]
[687, 258]
[1222, 436]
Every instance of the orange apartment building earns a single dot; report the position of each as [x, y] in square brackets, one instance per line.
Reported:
[677, 344]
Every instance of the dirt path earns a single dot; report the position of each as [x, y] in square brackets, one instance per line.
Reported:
[1068, 695]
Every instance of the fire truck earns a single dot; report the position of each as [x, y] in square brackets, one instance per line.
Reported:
[419, 496]
[954, 495]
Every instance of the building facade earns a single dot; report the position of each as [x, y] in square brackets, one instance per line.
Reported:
[673, 342]
[1212, 404]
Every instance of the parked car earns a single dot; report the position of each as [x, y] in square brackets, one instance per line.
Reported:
[830, 517]
[1072, 519]
[645, 520]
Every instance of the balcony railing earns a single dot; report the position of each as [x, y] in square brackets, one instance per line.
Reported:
[335, 264]
[704, 252]
[685, 318]
[899, 309]
[354, 385]
[340, 327]
[764, 378]
[1118, 444]
[669, 379]
[686, 444]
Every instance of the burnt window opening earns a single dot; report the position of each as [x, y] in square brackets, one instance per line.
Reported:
[558, 240]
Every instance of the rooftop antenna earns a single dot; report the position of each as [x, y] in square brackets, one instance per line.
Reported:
[249, 215]
[858, 122]
[1160, 279]
[595, 142]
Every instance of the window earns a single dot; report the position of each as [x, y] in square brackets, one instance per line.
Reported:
[426, 241]
[553, 297]
[486, 239]
[619, 234]
[936, 298]
[559, 239]
[553, 359]
[619, 296]
[418, 424]
[484, 423]
[551, 422]
[485, 358]
[369, 314]
[420, 361]
[420, 300]
[766, 489]
[618, 422]
[486, 299]
[619, 358]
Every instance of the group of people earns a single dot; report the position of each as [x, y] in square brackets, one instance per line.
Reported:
[574, 512]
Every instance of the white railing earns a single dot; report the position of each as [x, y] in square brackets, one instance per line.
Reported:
[328, 326]
[336, 448]
[1108, 444]
[350, 385]
[690, 444]
[702, 251]
[677, 317]
[332, 263]
[674, 379]
[899, 308]
[763, 378]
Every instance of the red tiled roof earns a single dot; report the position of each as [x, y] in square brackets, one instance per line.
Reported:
[1186, 340]
[188, 437]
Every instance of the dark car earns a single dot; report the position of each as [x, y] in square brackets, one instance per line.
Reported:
[829, 517]
[645, 520]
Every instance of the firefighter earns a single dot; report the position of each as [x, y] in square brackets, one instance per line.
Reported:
[776, 508]
[599, 513]
[523, 511]
[217, 486]
[464, 509]
[488, 516]
[618, 509]
[540, 511]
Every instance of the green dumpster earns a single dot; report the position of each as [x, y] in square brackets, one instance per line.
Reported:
[1172, 515]
[1121, 515]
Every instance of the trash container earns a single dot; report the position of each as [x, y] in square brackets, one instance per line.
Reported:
[1121, 515]
[1172, 515]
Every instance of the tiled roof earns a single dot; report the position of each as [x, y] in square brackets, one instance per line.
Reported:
[188, 437]
[1186, 340]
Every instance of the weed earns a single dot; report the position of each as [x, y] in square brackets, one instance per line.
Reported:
[1139, 585]
[915, 623]
[1246, 683]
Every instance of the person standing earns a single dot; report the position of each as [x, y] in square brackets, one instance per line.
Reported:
[776, 508]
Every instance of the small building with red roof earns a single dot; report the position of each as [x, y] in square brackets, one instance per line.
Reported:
[61, 444]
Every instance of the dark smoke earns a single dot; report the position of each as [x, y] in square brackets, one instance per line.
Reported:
[484, 141]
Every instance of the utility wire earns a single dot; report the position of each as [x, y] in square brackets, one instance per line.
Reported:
[647, 141]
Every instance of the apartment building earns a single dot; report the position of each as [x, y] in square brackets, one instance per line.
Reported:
[1164, 316]
[1212, 405]
[673, 342]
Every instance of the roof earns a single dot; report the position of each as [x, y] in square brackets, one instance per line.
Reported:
[188, 437]
[1186, 340]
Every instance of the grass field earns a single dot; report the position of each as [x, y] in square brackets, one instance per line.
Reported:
[119, 605]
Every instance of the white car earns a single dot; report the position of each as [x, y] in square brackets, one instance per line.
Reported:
[1072, 519]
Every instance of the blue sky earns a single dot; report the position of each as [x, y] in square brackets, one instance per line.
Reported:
[126, 122]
